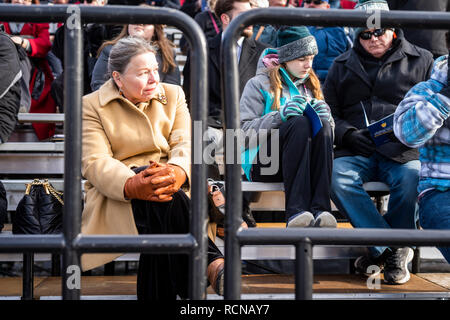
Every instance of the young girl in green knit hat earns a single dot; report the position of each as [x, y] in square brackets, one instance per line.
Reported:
[285, 100]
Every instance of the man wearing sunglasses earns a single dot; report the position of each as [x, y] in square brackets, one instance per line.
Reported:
[331, 41]
[368, 82]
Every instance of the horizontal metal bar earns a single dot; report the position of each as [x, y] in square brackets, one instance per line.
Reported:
[155, 243]
[279, 186]
[33, 146]
[41, 117]
[361, 236]
[31, 243]
[339, 17]
[106, 14]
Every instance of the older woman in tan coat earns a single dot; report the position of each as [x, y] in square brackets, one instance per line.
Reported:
[136, 158]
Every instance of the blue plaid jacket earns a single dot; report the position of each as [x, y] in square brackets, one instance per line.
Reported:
[422, 121]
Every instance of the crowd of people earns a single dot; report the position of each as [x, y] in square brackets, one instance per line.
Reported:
[307, 94]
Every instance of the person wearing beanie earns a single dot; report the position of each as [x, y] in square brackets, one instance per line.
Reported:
[285, 100]
[364, 85]
[422, 121]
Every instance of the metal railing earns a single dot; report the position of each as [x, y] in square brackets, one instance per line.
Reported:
[302, 238]
[72, 243]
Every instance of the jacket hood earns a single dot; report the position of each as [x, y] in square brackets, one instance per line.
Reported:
[260, 67]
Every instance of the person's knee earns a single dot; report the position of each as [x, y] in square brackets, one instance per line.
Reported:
[326, 131]
[406, 181]
[297, 126]
[343, 175]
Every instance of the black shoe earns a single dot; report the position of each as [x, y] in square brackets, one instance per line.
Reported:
[247, 216]
[368, 266]
[396, 266]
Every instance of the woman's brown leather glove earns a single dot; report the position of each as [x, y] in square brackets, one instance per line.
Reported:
[156, 183]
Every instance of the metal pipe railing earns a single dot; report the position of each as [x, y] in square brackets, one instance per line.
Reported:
[234, 238]
[72, 243]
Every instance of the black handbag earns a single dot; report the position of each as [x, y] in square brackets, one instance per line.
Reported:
[40, 210]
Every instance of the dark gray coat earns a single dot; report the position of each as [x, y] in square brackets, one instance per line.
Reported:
[348, 87]
[9, 86]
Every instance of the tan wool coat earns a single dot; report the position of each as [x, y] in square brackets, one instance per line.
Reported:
[118, 135]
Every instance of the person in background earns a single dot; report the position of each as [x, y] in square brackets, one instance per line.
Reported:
[364, 85]
[10, 87]
[332, 41]
[430, 39]
[268, 33]
[276, 99]
[422, 121]
[248, 52]
[94, 35]
[208, 21]
[137, 160]
[34, 38]
[154, 34]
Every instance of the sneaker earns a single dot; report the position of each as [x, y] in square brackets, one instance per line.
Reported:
[368, 266]
[396, 266]
[303, 219]
[325, 220]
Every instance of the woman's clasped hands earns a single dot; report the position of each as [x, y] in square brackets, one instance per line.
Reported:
[156, 183]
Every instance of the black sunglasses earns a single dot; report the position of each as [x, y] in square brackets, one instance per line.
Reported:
[366, 35]
[314, 1]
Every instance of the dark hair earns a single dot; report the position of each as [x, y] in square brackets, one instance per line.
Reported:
[225, 6]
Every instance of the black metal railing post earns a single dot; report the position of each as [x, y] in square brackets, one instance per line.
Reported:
[304, 277]
[73, 93]
[229, 81]
[28, 276]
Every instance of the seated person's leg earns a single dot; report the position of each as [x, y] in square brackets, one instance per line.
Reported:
[293, 161]
[402, 180]
[321, 171]
[434, 209]
[166, 275]
[349, 196]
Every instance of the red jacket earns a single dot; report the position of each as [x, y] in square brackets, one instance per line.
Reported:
[40, 46]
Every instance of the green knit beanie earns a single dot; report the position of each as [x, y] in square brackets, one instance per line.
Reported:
[294, 43]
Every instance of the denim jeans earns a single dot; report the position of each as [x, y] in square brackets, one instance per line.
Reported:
[434, 213]
[349, 196]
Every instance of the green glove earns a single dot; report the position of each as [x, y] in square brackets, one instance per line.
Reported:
[293, 108]
[321, 108]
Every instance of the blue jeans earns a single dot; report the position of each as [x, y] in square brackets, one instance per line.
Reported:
[434, 213]
[349, 196]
